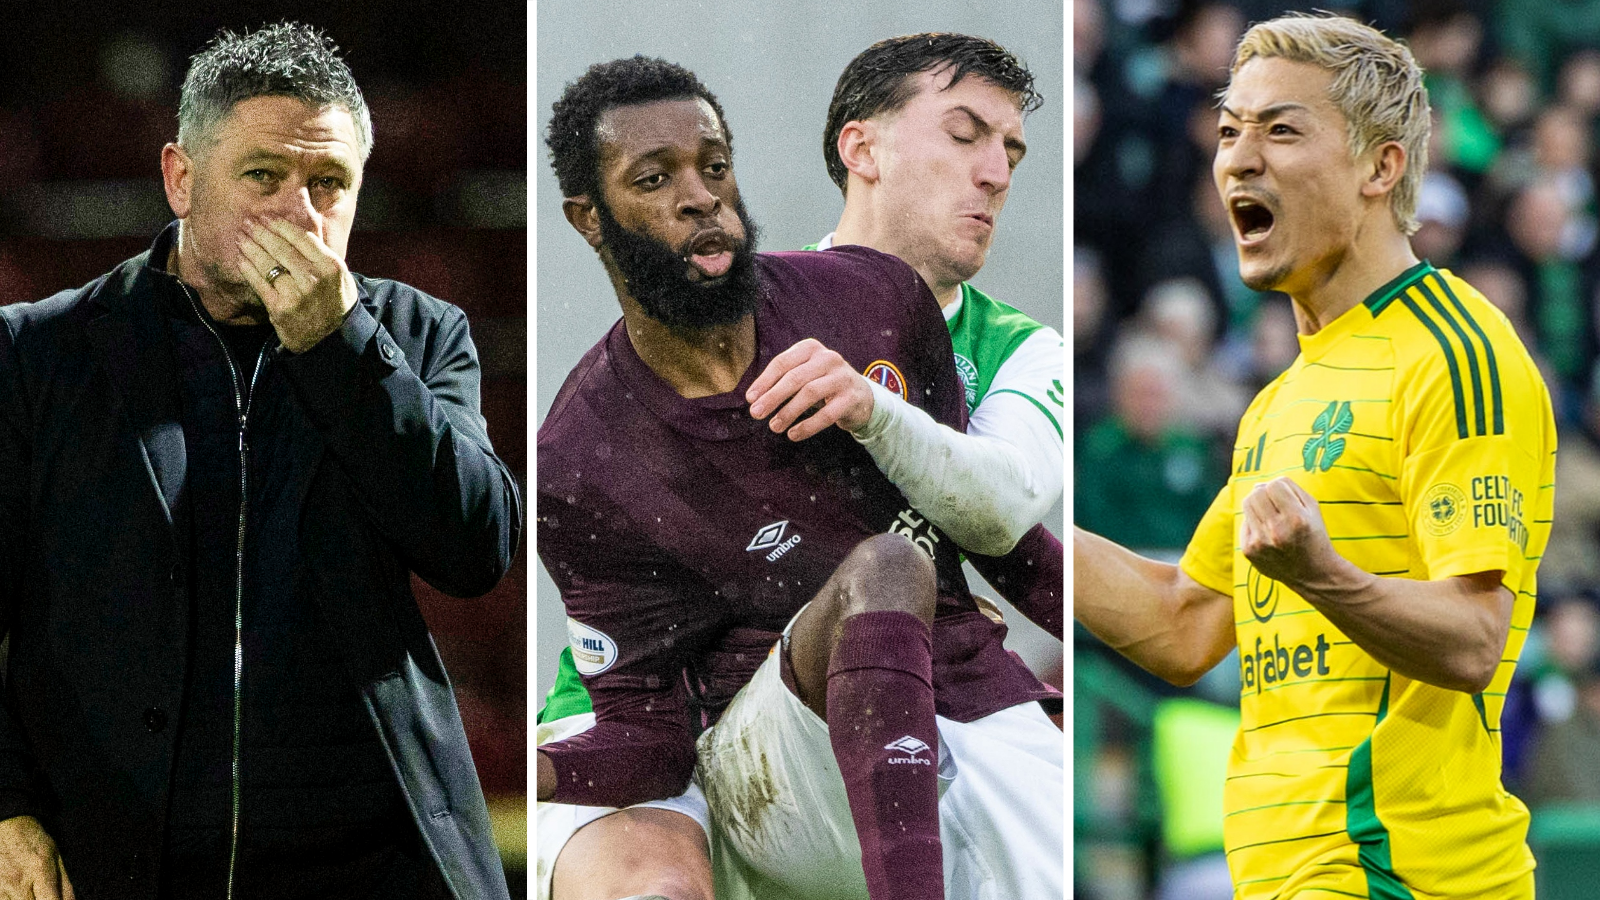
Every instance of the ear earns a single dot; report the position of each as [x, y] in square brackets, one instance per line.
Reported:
[859, 148]
[584, 216]
[177, 176]
[1388, 166]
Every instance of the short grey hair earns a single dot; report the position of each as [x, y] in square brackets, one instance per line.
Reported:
[283, 60]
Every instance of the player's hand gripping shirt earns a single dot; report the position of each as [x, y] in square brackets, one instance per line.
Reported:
[990, 485]
[1423, 430]
[684, 535]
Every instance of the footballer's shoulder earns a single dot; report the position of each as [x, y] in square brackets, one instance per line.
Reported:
[573, 410]
[858, 279]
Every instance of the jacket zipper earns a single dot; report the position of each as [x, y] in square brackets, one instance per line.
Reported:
[241, 407]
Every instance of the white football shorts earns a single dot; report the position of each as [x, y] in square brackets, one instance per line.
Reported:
[555, 823]
[781, 820]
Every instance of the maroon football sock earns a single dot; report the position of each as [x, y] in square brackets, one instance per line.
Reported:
[880, 722]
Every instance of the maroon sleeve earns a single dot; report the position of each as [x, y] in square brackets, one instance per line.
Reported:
[1030, 577]
[639, 749]
[633, 603]
[903, 309]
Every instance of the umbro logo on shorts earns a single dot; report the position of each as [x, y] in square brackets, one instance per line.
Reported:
[771, 538]
[910, 746]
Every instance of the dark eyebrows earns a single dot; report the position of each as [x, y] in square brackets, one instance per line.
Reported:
[1267, 114]
[707, 143]
[1012, 143]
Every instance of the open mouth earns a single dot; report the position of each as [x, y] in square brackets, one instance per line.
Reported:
[1251, 219]
[710, 254]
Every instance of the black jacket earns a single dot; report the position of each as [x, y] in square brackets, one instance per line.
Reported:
[395, 475]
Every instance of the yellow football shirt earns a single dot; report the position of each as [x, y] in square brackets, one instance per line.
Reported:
[1421, 426]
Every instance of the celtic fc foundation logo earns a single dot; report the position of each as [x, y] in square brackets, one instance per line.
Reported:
[1325, 447]
[1446, 509]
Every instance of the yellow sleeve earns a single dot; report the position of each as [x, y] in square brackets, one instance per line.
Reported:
[1209, 557]
[1470, 500]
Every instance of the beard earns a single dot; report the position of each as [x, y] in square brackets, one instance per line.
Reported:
[657, 275]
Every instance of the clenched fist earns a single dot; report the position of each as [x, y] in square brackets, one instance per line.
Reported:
[1283, 535]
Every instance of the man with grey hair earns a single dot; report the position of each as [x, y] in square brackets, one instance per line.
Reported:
[1373, 556]
[224, 460]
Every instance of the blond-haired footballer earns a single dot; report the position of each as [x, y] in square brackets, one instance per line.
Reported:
[1373, 554]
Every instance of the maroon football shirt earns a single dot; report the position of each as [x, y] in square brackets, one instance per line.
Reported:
[683, 534]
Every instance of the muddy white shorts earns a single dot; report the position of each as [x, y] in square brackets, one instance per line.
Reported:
[781, 826]
[555, 823]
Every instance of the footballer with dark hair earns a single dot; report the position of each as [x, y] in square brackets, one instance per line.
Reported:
[754, 603]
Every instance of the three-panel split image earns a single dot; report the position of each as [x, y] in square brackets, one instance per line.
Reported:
[705, 539]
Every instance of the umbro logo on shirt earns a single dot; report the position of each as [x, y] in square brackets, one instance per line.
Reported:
[771, 538]
[910, 746]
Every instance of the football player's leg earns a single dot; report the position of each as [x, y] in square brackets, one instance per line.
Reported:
[640, 851]
[861, 654]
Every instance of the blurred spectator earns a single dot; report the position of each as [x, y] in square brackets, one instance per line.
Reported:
[1580, 82]
[1509, 95]
[1558, 287]
[1564, 766]
[1196, 242]
[1442, 212]
[1445, 38]
[1090, 339]
[1180, 313]
[1499, 282]
[1541, 33]
[1196, 61]
[1271, 345]
[1143, 479]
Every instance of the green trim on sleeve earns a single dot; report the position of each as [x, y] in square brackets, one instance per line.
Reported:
[568, 696]
[1042, 408]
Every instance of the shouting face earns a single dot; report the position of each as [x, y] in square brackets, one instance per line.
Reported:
[1292, 189]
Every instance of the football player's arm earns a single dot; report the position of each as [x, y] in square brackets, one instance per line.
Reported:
[1030, 577]
[640, 747]
[1450, 632]
[1154, 613]
[985, 488]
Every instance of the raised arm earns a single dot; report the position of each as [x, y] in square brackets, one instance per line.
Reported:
[399, 412]
[984, 488]
[1450, 633]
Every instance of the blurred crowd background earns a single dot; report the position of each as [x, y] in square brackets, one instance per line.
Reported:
[1169, 347]
[88, 96]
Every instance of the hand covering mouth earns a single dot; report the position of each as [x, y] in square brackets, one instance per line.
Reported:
[710, 254]
[1251, 218]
